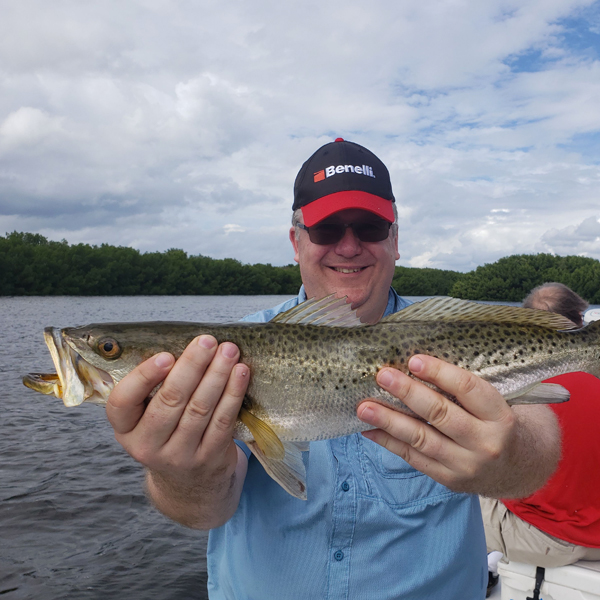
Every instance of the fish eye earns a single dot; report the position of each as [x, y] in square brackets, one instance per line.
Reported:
[109, 348]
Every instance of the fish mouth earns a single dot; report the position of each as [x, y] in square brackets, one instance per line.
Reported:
[76, 380]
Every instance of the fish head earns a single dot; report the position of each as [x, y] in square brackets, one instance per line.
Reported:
[75, 381]
[90, 361]
[114, 348]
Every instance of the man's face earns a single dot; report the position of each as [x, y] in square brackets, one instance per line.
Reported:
[363, 271]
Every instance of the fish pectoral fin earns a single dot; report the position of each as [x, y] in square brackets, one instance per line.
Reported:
[266, 439]
[539, 393]
[289, 472]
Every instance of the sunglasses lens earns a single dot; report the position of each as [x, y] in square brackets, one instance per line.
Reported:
[324, 234]
[373, 231]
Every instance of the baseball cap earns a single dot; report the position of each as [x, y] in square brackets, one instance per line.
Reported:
[342, 175]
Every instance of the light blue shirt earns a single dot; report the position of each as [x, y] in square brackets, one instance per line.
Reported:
[373, 528]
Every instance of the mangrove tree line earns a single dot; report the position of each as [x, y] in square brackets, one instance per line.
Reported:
[30, 264]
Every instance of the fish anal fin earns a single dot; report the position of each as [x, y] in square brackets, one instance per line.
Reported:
[539, 393]
[289, 472]
[266, 439]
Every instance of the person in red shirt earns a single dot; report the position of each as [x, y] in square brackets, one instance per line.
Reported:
[560, 523]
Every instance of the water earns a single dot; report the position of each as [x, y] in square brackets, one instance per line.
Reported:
[74, 521]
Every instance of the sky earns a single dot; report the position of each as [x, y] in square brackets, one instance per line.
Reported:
[163, 124]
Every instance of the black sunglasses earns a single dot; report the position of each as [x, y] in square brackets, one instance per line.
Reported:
[324, 234]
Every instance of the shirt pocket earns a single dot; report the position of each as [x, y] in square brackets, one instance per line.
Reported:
[391, 479]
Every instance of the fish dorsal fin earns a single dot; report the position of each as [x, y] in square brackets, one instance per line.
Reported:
[456, 310]
[329, 311]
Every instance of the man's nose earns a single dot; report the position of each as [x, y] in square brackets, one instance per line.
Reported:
[349, 245]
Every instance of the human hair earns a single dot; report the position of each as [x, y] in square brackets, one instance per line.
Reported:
[297, 218]
[557, 298]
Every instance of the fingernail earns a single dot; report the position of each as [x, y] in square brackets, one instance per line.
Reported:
[229, 350]
[207, 341]
[415, 364]
[164, 359]
[385, 378]
[367, 414]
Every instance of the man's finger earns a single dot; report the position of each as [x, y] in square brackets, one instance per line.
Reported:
[474, 394]
[423, 463]
[164, 412]
[199, 410]
[126, 403]
[411, 434]
[444, 415]
[219, 432]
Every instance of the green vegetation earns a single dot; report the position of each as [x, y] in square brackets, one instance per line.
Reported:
[424, 282]
[513, 277]
[31, 265]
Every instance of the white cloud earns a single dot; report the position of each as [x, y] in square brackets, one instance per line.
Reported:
[158, 124]
[233, 228]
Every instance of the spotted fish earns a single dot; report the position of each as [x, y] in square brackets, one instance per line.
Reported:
[312, 365]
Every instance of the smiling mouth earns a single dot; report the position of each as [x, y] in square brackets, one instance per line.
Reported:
[345, 270]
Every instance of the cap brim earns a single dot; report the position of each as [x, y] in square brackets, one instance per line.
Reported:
[328, 205]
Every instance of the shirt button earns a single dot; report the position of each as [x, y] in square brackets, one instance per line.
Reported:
[345, 486]
[338, 555]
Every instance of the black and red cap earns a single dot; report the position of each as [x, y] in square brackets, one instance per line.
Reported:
[342, 175]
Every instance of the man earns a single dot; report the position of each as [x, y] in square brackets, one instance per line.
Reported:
[559, 524]
[395, 523]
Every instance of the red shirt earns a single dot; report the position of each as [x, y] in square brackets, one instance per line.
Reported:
[568, 506]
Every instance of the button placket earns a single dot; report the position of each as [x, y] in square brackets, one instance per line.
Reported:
[344, 511]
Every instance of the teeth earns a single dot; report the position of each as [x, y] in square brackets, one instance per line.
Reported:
[339, 270]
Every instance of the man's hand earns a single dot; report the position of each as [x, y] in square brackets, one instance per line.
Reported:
[482, 447]
[185, 435]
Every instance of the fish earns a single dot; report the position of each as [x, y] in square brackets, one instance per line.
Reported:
[311, 366]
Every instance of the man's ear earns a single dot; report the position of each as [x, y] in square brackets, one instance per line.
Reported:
[294, 241]
[395, 242]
